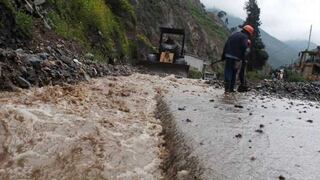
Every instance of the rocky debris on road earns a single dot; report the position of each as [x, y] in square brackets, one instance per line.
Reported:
[259, 131]
[281, 89]
[216, 83]
[253, 158]
[188, 120]
[182, 108]
[295, 90]
[53, 66]
[238, 106]
[282, 178]
[310, 121]
[239, 136]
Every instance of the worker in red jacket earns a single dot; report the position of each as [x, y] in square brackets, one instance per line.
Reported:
[234, 53]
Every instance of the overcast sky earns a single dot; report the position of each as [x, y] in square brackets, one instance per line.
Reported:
[284, 19]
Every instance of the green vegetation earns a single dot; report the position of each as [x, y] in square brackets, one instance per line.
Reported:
[205, 21]
[94, 24]
[8, 4]
[258, 55]
[292, 76]
[194, 73]
[146, 41]
[255, 76]
[24, 22]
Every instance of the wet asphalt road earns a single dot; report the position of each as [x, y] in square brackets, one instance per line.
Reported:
[244, 136]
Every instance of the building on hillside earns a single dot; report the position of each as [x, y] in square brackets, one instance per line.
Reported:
[309, 64]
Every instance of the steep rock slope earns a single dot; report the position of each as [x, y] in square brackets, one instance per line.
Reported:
[205, 33]
[112, 29]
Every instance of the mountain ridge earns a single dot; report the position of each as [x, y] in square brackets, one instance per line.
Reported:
[280, 53]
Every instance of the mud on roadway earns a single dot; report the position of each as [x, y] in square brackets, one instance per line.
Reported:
[147, 127]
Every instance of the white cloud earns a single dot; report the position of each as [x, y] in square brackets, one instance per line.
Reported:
[284, 19]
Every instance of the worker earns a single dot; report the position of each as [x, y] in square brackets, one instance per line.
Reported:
[242, 73]
[234, 53]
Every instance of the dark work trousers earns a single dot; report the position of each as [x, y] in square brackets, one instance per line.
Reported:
[242, 72]
[230, 74]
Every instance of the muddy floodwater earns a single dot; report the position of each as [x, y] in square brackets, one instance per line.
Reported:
[103, 129]
[246, 136]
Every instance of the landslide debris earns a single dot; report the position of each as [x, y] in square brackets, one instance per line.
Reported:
[53, 66]
[294, 90]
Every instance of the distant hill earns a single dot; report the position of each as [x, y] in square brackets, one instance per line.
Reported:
[280, 53]
[300, 45]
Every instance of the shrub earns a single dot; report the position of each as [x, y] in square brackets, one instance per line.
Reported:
[194, 73]
[292, 76]
[254, 76]
[77, 19]
[24, 22]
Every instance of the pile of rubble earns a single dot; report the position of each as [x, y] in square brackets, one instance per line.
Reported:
[295, 90]
[53, 66]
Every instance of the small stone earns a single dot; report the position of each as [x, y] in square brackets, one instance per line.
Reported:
[253, 158]
[188, 120]
[261, 126]
[250, 114]
[182, 108]
[238, 136]
[259, 131]
[183, 174]
[211, 100]
[238, 106]
[310, 121]
[23, 83]
[282, 178]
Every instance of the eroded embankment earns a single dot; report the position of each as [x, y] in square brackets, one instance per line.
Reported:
[178, 163]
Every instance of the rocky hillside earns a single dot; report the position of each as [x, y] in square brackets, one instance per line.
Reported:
[205, 33]
[55, 41]
[110, 29]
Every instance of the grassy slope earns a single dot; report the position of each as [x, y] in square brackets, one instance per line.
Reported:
[205, 21]
[81, 19]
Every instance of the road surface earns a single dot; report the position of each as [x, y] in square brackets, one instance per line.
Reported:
[245, 136]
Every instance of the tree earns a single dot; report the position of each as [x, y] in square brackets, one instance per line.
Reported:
[258, 56]
[222, 14]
